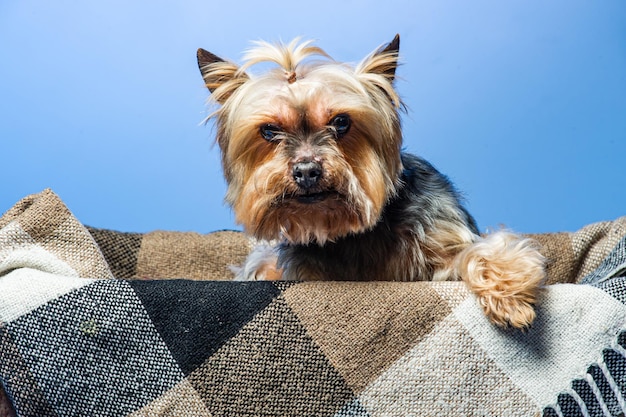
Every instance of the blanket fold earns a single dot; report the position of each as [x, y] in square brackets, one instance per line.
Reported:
[77, 342]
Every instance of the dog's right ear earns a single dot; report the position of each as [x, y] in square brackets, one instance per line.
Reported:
[217, 73]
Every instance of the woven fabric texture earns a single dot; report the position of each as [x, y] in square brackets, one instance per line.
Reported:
[76, 342]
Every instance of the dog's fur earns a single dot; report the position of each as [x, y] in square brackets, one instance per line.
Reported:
[311, 152]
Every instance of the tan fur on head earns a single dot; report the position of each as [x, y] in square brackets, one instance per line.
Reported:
[301, 96]
[288, 57]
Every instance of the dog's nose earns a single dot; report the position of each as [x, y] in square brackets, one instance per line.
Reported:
[307, 174]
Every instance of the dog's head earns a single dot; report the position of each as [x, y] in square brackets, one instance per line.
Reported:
[310, 149]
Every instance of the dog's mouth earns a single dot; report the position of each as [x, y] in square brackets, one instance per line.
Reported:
[312, 197]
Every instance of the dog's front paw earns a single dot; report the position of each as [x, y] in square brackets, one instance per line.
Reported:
[508, 311]
[260, 265]
[505, 272]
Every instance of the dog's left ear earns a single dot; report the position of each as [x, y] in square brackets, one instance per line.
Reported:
[217, 72]
[392, 50]
[384, 60]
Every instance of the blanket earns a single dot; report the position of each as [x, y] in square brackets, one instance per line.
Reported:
[101, 323]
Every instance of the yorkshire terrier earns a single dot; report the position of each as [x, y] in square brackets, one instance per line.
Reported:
[311, 152]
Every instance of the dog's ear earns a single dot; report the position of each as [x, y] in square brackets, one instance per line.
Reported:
[384, 60]
[217, 72]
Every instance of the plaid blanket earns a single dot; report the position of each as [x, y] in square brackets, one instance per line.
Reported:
[99, 323]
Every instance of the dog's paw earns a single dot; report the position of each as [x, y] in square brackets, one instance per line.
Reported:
[505, 272]
[508, 311]
[260, 265]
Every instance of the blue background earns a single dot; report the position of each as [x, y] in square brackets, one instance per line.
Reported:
[521, 103]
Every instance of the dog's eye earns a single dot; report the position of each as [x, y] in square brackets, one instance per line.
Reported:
[341, 123]
[270, 131]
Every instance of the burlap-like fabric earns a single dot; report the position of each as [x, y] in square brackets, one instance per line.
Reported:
[572, 255]
[42, 225]
[166, 255]
[75, 342]
[190, 255]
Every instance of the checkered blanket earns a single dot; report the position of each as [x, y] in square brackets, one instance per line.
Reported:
[93, 323]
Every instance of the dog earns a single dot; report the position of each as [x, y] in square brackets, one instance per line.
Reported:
[312, 155]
